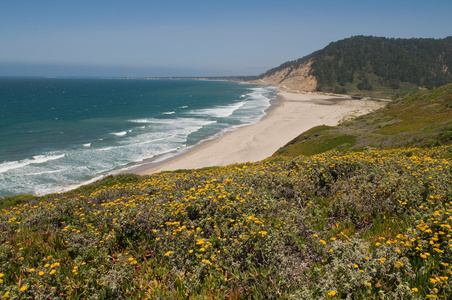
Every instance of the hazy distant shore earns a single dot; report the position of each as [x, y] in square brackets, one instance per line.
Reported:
[294, 114]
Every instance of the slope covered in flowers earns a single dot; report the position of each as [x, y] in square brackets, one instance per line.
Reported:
[370, 224]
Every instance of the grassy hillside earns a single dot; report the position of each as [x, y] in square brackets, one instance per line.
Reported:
[418, 119]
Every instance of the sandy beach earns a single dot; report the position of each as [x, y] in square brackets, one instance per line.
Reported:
[296, 113]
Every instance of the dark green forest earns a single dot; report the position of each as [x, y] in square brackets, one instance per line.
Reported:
[366, 63]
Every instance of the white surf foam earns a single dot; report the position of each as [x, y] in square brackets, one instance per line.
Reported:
[38, 159]
[144, 121]
[122, 133]
[45, 172]
[219, 111]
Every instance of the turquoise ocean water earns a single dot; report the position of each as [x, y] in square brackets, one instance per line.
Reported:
[56, 133]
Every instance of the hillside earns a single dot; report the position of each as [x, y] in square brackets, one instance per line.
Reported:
[418, 119]
[361, 224]
[363, 65]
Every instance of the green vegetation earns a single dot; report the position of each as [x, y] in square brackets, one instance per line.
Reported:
[420, 119]
[309, 143]
[363, 225]
[378, 66]
[355, 222]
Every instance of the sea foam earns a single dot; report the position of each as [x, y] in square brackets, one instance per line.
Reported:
[122, 133]
[38, 159]
[219, 111]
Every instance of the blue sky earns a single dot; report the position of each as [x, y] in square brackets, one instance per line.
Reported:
[194, 37]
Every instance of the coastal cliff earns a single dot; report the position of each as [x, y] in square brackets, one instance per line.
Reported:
[294, 77]
[366, 65]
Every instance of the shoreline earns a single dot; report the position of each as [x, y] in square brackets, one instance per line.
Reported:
[290, 115]
[160, 159]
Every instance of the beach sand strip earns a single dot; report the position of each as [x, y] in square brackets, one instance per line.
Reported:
[296, 113]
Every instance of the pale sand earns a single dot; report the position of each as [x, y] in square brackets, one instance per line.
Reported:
[296, 113]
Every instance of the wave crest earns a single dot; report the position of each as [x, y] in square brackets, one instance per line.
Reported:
[38, 159]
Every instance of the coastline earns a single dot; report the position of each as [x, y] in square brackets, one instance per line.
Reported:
[293, 114]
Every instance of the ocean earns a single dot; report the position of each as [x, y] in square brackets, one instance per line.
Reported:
[60, 133]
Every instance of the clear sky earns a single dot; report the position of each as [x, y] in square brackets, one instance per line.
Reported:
[195, 37]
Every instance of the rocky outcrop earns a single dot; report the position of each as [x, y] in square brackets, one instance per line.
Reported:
[292, 78]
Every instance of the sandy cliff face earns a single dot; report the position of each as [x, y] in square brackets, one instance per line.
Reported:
[297, 79]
